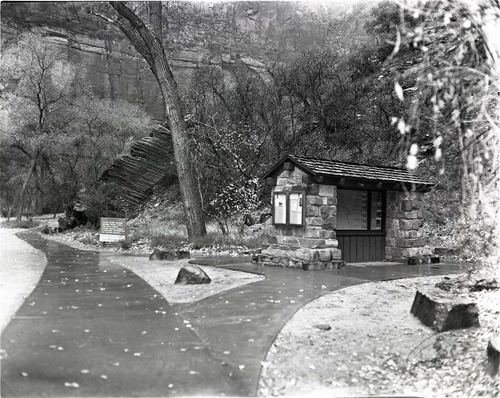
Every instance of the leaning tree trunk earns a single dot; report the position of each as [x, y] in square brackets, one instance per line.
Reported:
[149, 44]
[25, 186]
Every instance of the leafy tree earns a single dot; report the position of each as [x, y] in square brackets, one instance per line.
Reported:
[36, 109]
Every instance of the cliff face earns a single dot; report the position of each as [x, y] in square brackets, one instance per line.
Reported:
[199, 34]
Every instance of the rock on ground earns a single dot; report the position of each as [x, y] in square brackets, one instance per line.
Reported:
[192, 274]
[443, 311]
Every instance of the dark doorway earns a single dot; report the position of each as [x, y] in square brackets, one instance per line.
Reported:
[361, 225]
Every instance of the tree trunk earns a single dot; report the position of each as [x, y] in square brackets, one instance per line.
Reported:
[25, 186]
[149, 45]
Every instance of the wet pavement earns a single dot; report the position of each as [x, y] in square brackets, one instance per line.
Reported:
[93, 328]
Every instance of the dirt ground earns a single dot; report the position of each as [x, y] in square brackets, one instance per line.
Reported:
[376, 347]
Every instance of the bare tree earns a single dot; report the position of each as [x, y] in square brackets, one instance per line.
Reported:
[147, 40]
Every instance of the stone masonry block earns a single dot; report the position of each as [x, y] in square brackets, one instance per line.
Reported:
[311, 232]
[331, 243]
[298, 231]
[311, 242]
[312, 211]
[327, 190]
[327, 234]
[331, 201]
[288, 240]
[313, 189]
[325, 255]
[330, 222]
[282, 181]
[287, 230]
[272, 239]
[406, 205]
[314, 200]
[406, 225]
[392, 224]
[314, 221]
[314, 266]
[336, 254]
[404, 234]
[390, 242]
[304, 254]
[416, 224]
[325, 211]
[416, 205]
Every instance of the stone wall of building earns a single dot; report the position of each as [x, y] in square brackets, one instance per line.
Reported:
[404, 223]
[312, 246]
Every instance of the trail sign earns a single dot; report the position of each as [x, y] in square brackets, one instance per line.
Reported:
[112, 229]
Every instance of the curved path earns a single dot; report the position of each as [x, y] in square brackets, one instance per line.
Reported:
[93, 328]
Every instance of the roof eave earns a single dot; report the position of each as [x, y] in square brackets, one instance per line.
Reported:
[283, 160]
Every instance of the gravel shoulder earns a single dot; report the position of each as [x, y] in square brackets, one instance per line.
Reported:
[21, 267]
[376, 347]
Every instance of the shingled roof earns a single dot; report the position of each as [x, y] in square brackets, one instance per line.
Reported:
[333, 168]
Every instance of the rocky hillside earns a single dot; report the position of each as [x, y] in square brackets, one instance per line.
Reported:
[221, 34]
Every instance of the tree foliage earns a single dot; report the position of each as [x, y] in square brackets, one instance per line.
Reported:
[55, 129]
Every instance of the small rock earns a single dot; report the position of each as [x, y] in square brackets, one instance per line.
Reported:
[323, 327]
[192, 274]
[493, 352]
[444, 311]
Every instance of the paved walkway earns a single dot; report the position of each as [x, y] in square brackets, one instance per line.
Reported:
[100, 326]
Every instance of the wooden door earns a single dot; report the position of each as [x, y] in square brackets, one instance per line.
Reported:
[361, 246]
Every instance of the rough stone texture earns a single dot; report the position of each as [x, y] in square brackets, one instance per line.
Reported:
[493, 352]
[444, 311]
[192, 274]
[312, 246]
[403, 225]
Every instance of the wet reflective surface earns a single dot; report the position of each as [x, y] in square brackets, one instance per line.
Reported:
[93, 328]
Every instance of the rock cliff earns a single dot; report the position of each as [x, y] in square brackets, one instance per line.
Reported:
[219, 34]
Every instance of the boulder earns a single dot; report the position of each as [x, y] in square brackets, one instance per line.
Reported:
[493, 352]
[162, 254]
[443, 311]
[192, 274]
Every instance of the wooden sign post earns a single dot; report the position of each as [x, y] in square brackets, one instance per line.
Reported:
[112, 229]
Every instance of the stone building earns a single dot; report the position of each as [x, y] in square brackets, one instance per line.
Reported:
[326, 213]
